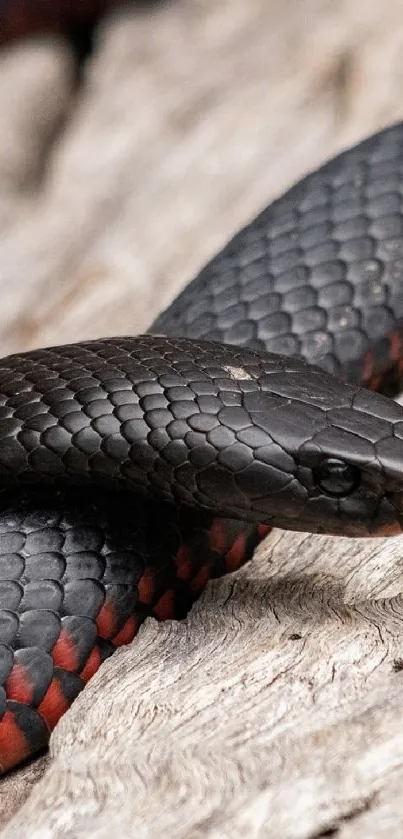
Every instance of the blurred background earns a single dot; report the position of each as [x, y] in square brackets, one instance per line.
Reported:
[121, 176]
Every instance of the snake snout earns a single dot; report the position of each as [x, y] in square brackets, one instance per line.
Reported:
[394, 501]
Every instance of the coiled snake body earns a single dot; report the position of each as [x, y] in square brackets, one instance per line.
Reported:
[238, 421]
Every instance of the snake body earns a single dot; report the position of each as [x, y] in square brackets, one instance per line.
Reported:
[246, 407]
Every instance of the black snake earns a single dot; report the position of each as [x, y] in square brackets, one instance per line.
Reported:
[240, 420]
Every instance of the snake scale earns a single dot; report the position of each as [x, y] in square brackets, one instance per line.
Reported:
[254, 401]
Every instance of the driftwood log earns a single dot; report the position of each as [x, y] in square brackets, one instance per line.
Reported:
[276, 708]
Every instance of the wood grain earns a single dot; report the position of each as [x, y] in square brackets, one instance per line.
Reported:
[276, 708]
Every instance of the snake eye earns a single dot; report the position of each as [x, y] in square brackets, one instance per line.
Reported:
[334, 477]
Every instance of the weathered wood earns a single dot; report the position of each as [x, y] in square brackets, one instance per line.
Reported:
[275, 709]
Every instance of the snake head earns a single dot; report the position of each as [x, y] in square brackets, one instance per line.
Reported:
[273, 440]
[329, 454]
[252, 436]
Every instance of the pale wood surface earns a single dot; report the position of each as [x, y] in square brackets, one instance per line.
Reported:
[276, 709]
